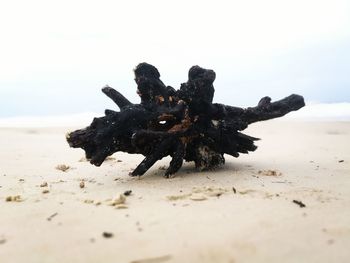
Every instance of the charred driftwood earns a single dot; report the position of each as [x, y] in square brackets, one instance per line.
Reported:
[183, 123]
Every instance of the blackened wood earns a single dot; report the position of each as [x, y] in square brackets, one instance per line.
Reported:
[183, 124]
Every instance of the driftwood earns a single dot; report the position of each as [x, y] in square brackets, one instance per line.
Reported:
[183, 123]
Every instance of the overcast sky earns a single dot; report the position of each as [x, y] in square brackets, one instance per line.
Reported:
[56, 55]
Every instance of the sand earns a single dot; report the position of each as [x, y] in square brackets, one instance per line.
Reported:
[241, 212]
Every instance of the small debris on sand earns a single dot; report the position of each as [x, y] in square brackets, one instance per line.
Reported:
[162, 168]
[340, 161]
[121, 207]
[44, 184]
[197, 197]
[128, 192]
[234, 190]
[90, 181]
[82, 184]
[21, 180]
[51, 216]
[177, 197]
[46, 191]
[110, 158]
[88, 201]
[63, 167]
[14, 198]
[107, 234]
[299, 203]
[269, 173]
[200, 193]
[248, 191]
[118, 201]
[153, 260]
[2, 241]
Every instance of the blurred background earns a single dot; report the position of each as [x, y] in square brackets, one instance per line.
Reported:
[56, 55]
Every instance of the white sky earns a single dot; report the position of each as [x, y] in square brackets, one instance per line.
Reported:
[51, 48]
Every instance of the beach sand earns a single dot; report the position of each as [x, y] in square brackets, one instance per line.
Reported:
[241, 212]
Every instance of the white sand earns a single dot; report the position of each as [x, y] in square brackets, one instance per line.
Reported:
[259, 223]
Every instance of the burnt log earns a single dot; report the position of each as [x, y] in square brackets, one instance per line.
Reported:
[183, 123]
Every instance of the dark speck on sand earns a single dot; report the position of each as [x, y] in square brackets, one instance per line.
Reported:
[107, 234]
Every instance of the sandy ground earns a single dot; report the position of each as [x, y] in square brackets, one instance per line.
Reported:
[232, 214]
